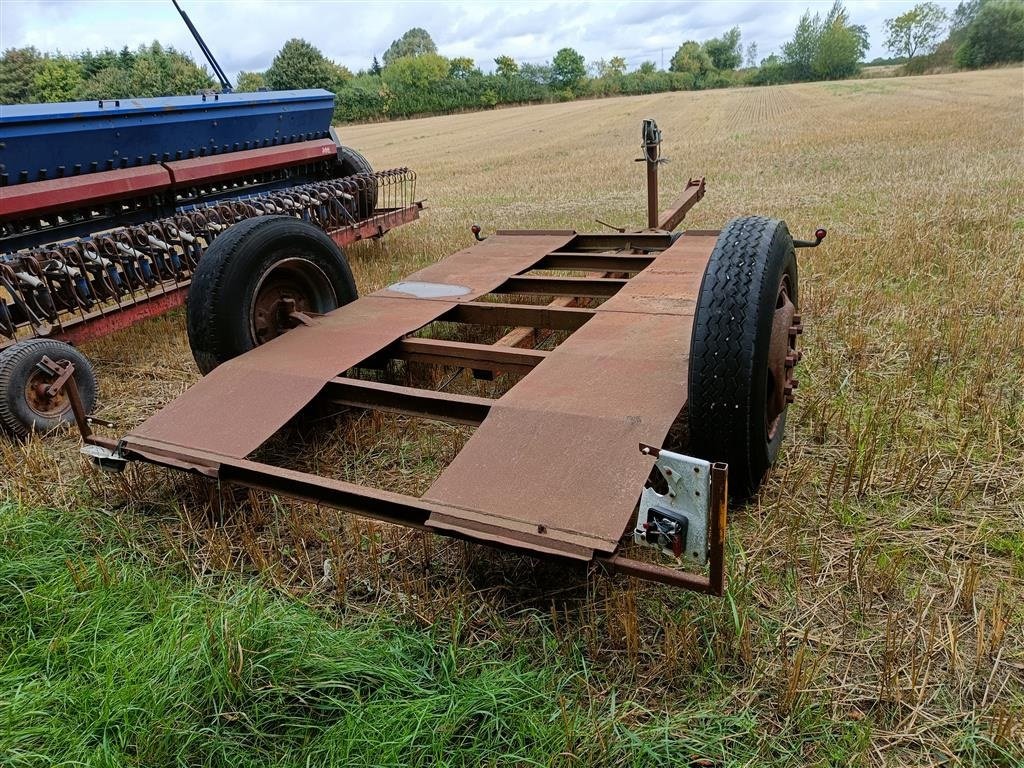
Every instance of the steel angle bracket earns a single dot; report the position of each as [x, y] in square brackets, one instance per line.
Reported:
[677, 522]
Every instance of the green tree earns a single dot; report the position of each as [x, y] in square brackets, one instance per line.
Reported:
[18, 68]
[59, 78]
[647, 68]
[567, 69]
[249, 82]
[461, 67]
[725, 51]
[301, 65]
[415, 73]
[799, 52]
[612, 68]
[964, 14]
[693, 60]
[506, 66]
[994, 36]
[109, 83]
[919, 30]
[773, 70]
[825, 49]
[752, 53]
[415, 42]
[375, 67]
[538, 74]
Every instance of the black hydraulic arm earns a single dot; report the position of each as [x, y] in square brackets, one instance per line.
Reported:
[225, 84]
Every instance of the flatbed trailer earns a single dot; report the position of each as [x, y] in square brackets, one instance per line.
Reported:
[556, 465]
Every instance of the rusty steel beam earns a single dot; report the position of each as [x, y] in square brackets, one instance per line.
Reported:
[348, 497]
[609, 241]
[483, 357]
[494, 313]
[599, 288]
[716, 531]
[408, 401]
[601, 262]
[673, 216]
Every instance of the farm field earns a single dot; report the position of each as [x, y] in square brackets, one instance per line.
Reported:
[874, 611]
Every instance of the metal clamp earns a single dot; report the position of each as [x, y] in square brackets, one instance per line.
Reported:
[677, 522]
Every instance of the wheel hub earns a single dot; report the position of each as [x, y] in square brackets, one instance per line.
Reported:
[41, 401]
[783, 357]
[291, 287]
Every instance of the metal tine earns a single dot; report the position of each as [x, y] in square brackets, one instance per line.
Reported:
[120, 265]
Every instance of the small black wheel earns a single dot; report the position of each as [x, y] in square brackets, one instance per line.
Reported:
[253, 277]
[743, 350]
[25, 404]
[352, 163]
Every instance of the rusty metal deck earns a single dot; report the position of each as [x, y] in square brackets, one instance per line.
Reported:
[571, 424]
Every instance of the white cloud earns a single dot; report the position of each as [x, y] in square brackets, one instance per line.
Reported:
[246, 34]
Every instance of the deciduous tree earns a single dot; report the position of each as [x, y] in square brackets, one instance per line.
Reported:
[301, 65]
[692, 59]
[752, 54]
[462, 67]
[415, 72]
[725, 51]
[917, 31]
[415, 42]
[248, 82]
[825, 49]
[505, 66]
[994, 36]
[59, 78]
[568, 69]
[18, 68]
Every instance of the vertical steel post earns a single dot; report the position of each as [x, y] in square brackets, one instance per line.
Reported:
[719, 504]
[652, 193]
[652, 156]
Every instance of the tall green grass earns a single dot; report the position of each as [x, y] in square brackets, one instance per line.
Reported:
[107, 659]
[105, 663]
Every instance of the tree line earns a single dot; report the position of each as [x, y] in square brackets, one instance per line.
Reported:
[414, 79]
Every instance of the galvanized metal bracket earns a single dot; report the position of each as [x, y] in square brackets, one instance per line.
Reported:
[677, 521]
[106, 459]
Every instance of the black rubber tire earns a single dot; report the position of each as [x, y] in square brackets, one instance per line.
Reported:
[351, 163]
[732, 330]
[224, 285]
[18, 363]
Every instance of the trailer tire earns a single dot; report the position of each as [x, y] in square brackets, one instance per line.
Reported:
[352, 163]
[251, 275]
[24, 407]
[745, 320]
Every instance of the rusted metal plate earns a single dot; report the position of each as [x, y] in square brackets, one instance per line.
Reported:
[671, 284]
[479, 269]
[243, 402]
[557, 455]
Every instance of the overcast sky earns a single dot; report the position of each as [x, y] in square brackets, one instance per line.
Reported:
[246, 34]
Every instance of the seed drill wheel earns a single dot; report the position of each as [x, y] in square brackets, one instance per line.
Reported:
[743, 351]
[255, 279]
[352, 163]
[25, 404]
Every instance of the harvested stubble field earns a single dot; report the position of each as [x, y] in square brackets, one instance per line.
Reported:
[874, 613]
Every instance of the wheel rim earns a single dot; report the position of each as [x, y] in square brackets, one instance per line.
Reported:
[782, 359]
[40, 402]
[290, 286]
